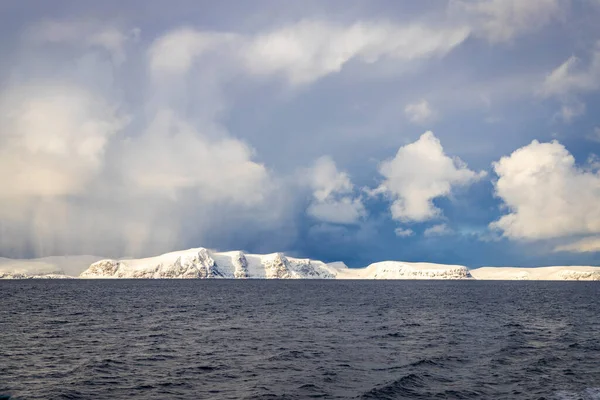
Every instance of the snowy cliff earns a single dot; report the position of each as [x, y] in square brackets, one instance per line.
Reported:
[202, 263]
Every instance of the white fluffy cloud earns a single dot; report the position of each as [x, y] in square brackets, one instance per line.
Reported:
[305, 51]
[333, 199]
[419, 173]
[419, 112]
[547, 195]
[503, 20]
[53, 139]
[173, 155]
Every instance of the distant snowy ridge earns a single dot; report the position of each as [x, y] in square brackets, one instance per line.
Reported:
[55, 267]
[10, 275]
[202, 263]
[572, 273]
[405, 270]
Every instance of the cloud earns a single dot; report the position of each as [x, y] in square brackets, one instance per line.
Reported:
[310, 49]
[53, 139]
[438, 230]
[419, 173]
[176, 51]
[185, 139]
[111, 160]
[503, 20]
[401, 232]
[172, 155]
[585, 245]
[419, 112]
[343, 211]
[102, 162]
[546, 194]
[79, 187]
[333, 199]
[571, 77]
[305, 51]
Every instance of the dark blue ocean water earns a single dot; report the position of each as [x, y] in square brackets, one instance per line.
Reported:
[215, 339]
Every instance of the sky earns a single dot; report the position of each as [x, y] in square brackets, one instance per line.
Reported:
[457, 132]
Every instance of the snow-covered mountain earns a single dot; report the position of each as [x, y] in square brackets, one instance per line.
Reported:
[202, 263]
[538, 274]
[405, 270]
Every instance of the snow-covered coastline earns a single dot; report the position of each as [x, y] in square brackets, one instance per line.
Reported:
[202, 263]
[558, 273]
[55, 267]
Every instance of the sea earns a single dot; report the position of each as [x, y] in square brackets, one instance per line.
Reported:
[299, 339]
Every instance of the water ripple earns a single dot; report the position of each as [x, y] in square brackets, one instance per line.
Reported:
[299, 340]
